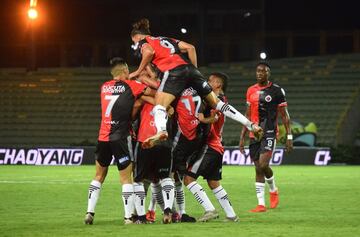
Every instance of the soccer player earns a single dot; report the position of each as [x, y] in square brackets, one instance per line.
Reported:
[209, 162]
[186, 114]
[188, 140]
[177, 73]
[117, 99]
[153, 163]
[264, 101]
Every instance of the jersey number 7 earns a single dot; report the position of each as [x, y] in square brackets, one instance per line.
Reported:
[112, 99]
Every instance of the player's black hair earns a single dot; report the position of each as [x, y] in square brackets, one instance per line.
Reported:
[224, 77]
[117, 60]
[142, 26]
[263, 63]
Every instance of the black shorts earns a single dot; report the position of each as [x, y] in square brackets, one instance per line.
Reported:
[178, 79]
[208, 165]
[153, 163]
[266, 144]
[121, 150]
[184, 151]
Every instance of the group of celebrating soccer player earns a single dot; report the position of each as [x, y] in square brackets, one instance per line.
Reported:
[163, 126]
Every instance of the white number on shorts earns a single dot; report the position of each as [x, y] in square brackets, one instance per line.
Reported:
[270, 143]
[112, 99]
[165, 43]
[197, 102]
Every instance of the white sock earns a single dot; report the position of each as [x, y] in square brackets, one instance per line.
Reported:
[157, 191]
[231, 112]
[260, 193]
[173, 209]
[139, 198]
[94, 193]
[128, 199]
[271, 183]
[201, 196]
[168, 192]
[152, 203]
[160, 117]
[180, 197]
[224, 201]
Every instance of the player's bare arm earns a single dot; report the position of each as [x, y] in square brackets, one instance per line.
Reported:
[244, 131]
[213, 118]
[285, 117]
[147, 54]
[148, 77]
[149, 92]
[190, 50]
[136, 108]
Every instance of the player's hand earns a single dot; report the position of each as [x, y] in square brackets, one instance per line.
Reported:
[241, 145]
[258, 131]
[170, 111]
[289, 145]
[134, 75]
[214, 116]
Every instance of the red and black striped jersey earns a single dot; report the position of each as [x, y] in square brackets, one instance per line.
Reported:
[167, 53]
[147, 124]
[187, 110]
[264, 102]
[117, 101]
[214, 139]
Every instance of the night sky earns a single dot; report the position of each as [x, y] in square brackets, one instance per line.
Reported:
[106, 19]
[110, 20]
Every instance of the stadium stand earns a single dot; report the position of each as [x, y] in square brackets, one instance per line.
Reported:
[318, 89]
[61, 107]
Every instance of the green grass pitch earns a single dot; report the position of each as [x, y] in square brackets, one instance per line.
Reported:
[51, 201]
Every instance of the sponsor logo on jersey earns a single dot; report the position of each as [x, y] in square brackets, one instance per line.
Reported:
[41, 156]
[113, 89]
[112, 122]
[189, 92]
[123, 159]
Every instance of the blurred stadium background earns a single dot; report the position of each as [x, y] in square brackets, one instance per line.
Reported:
[54, 58]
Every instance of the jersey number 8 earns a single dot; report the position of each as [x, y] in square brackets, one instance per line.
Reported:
[167, 44]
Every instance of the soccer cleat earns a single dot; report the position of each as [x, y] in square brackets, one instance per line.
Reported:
[187, 218]
[209, 215]
[141, 220]
[232, 219]
[134, 218]
[154, 140]
[128, 221]
[274, 199]
[175, 217]
[259, 208]
[89, 218]
[150, 216]
[167, 216]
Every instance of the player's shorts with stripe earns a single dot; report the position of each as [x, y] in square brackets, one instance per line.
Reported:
[176, 80]
[153, 163]
[121, 150]
[208, 165]
[266, 144]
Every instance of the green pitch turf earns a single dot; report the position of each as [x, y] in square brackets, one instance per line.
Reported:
[51, 201]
